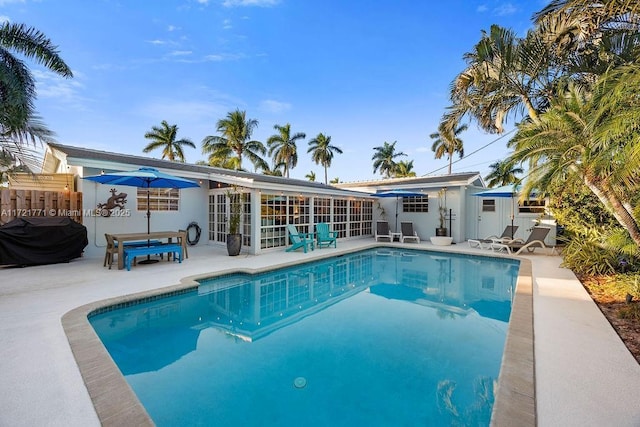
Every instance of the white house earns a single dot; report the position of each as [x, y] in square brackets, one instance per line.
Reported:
[467, 215]
[270, 203]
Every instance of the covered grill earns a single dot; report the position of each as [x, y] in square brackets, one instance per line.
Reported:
[33, 241]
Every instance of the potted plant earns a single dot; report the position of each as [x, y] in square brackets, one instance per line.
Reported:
[234, 237]
[441, 230]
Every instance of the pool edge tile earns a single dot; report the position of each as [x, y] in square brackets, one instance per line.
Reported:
[515, 402]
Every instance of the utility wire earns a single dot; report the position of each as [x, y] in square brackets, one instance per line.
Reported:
[472, 153]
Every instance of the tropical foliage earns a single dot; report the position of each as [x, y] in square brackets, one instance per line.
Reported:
[573, 85]
[164, 137]
[447, 141]
[19, 124]
[282, 146]
[384, 159]
[235, 139]
[404, 169]
[322, 152]
[503, 172]
[311, 176]
[275, 170]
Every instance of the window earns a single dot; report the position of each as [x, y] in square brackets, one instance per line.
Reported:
[489, 205]
[532, 206]
[340, 216]
[322, 209]
[160, 199]
[415, 204]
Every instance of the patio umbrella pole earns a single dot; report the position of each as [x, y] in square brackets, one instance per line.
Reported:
[148, 260]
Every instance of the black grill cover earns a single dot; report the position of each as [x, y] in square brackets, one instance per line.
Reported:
[33, 241]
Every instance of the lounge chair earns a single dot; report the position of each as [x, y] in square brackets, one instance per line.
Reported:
[408, 233]
[382, 231]
[299, 240]
[535, 240]
[507, 235]
[324, 236]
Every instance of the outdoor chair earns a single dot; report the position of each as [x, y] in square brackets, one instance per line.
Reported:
[535, 240]
[110, 250]
[382, 231]
[299, 240]
[324, 236]
[408, 233]
[507, 235]
[183, 243]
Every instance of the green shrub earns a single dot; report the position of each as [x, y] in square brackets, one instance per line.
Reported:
[589, 257]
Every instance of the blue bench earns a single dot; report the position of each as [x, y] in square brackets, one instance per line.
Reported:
[141, 243]
[130, 252]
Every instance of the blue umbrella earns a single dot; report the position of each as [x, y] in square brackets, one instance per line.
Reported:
[397, 194]
[144, 178]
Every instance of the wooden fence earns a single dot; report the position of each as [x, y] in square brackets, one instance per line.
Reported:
[34, 203]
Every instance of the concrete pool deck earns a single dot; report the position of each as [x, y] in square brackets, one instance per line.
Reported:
[585, 376]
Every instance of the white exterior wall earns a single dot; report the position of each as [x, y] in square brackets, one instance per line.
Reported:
[484, 224]
[425, 223]
[192, 207]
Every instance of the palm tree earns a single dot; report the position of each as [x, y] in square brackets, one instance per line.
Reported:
[591, 138]
[224, 158]
[384, 159]
[236, 132]
[446, 141]
[403, 169]
[322, 151]
[282, 146]
[276, 170]
[18, 122]
[335, 180]
[503, 172]
[164, 137]
[505, 74]
[311, 176]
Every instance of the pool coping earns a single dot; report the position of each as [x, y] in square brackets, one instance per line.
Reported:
[116, 404]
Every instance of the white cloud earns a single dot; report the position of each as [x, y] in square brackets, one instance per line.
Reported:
[64, 91]
[272, 106]
[226, 24]
[172, 28]
[6, 2]
[505, 9]
[157, 42]
[180, 53]
[260, 3]
[217, 57]
[214, 58]
[184, 112]
[482, 8]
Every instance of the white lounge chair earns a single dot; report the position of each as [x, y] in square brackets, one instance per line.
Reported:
[507, 235]
[408, 233]
[382, 231]
[535, 240]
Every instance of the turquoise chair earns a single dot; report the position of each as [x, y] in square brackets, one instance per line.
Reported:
[324, 236]
[299, 240]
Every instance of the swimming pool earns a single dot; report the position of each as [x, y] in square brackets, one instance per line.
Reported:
[379, 337]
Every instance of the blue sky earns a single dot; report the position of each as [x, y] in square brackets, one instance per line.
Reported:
[362, 71]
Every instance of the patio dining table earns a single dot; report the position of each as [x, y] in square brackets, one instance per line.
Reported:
[120, 239]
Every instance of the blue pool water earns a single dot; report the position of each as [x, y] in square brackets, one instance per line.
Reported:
[383, 337]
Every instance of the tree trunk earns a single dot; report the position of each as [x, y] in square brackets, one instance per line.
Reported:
[610, 200]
